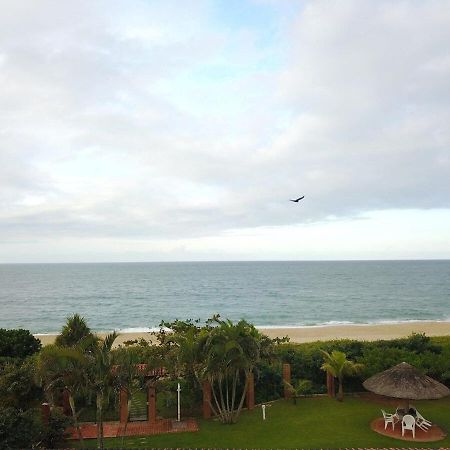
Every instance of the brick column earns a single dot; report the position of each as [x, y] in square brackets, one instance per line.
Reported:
[67, 410]
[287, 379]
[123, 405]
[250, 395]
[45, 411]
[206, 400]
[330, 385]
[151, 404]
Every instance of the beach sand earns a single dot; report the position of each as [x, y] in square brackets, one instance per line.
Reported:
[321, 333]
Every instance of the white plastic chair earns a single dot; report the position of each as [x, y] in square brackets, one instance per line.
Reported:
[421, 422]
[389, 418]
[409, 423]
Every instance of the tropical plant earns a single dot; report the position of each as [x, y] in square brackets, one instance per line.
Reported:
[127, 375]
[19, 429]
[299, 388]
[339, 366]
[64, 368]
[18, 387]
[230, 353]
[102, 377]
[74, 332]
[53, 432]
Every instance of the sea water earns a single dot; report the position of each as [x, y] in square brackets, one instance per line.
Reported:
[137, 296]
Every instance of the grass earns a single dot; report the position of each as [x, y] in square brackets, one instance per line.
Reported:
[313, 423]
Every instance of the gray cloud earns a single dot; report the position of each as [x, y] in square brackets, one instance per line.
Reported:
[156, 122]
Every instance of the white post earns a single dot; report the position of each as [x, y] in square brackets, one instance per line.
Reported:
[178, 390]
[263, 406]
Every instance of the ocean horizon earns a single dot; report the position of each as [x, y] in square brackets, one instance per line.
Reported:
[134, 296]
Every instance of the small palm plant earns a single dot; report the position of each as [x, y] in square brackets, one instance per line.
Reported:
[339, 366]
[299, 388]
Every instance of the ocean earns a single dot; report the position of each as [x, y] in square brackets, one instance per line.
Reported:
[137, 296]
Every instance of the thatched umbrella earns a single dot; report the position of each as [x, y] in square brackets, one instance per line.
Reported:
[406, 382]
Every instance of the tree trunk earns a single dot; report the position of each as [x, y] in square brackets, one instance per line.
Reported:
[241, 403]
[100, 420]
[75, 419]
[340, 395]
[126, 423]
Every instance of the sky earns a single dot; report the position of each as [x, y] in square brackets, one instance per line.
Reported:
[179, 130]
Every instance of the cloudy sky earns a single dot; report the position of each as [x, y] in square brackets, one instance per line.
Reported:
[179, 130]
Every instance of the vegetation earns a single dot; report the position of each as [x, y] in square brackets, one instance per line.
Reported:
[298, 388]
[91, 372]
[17, 344]
[62, 368]
[25, 429]
[339, 366]
[74, 332]
[431, 355]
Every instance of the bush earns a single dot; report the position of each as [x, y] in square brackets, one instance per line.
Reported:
[431, 355]
[19, 429]
[24, 429]
[54, 433]
[17, 385]
[18, 343]
[268, 382]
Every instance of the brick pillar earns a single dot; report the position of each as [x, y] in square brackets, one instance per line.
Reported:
[287, 379]
[330, 385]
[123, 405]
[45, 411]
[206, 399]
[151, 404]
[67, 410]
[250, 395]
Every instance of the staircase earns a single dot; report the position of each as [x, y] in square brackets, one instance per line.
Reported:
[138, 407]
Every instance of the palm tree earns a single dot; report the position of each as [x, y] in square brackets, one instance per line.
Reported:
[73, 332]
[126, 373]
[298, 388]
[64, 368]
[339, 366]
[230, 352]
[102, 377]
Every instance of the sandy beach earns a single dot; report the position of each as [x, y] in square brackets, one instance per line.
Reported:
[321, 333]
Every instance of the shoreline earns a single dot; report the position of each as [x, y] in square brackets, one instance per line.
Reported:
[361, 332]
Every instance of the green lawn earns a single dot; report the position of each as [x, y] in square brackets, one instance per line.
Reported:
[312, 423]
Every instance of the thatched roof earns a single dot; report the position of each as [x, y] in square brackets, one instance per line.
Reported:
[405, 381]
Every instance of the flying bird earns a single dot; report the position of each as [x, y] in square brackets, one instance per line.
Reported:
[298, 199]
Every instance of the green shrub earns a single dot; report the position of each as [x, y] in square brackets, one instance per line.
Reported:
[18, 386]
[18, 343]
[431, 355]
[19, 429]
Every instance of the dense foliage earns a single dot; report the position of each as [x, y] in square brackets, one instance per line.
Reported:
[74, 332]
[25, 429]
[17, 343]
[18, 387]
[431, 355]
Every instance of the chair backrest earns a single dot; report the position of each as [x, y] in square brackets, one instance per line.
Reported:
[408, 422]
[384, 414]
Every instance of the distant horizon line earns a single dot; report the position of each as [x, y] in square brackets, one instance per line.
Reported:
[232, 261]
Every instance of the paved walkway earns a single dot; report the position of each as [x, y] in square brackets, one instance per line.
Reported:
[116, 429]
